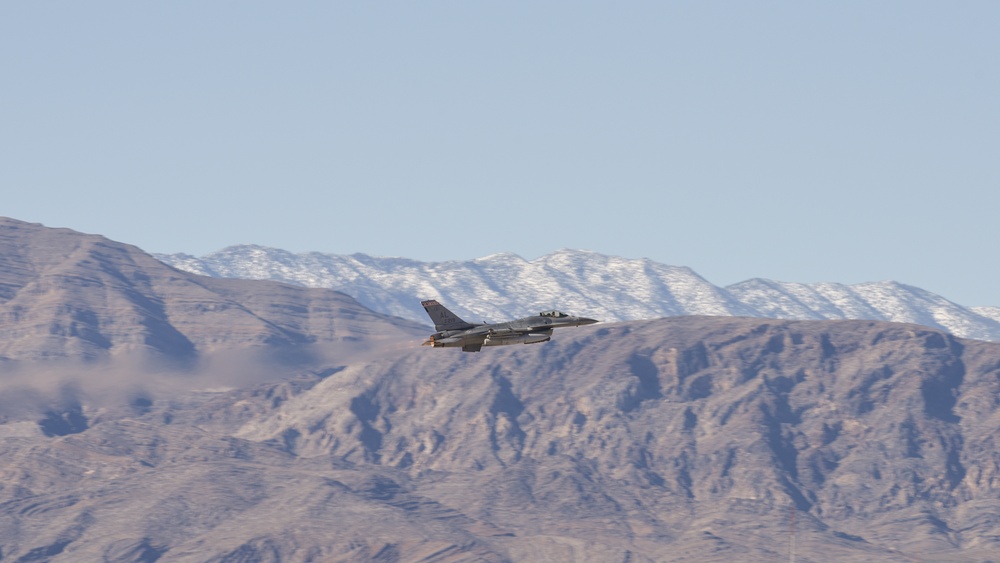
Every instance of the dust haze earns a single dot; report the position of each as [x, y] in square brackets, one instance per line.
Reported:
[31, 389]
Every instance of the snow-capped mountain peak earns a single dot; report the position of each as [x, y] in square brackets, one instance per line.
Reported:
[611, 288]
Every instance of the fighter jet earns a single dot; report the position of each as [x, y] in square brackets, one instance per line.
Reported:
[453, 332]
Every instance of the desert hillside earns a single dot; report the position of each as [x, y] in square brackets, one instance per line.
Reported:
[296, 425]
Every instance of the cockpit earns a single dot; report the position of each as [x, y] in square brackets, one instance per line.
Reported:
[553, 314]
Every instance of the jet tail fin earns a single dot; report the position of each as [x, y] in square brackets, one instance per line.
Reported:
[443, 318]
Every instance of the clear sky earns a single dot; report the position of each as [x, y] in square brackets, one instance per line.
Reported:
[799, 141]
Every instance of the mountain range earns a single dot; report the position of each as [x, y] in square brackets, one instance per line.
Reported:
[329, 434]
[68, 295]
[505, 286]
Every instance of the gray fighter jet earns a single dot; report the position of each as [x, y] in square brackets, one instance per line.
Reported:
[453, 332]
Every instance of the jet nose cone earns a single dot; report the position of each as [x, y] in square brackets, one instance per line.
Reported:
[586, 321]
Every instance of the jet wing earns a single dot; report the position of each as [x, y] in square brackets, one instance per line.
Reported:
[473, 342]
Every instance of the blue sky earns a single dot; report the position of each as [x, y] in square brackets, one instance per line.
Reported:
[797, 141]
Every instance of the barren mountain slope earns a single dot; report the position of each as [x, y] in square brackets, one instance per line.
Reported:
[670, 440]
[65, 294]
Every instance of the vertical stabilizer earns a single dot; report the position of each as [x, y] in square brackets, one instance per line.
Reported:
[443, 318]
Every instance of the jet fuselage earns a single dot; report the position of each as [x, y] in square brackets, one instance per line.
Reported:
[454, 332]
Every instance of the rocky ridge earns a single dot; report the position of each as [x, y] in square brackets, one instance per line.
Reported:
[682, 438]
[505, 286]
[678, 439]
[69, 295]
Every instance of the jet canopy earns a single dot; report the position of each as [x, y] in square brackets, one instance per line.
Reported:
[553, 314]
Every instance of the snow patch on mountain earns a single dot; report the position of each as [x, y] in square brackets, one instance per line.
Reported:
[883, 301]
[988, 312]
[504, 286]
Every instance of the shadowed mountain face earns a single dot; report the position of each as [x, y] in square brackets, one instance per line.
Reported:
[73, 296]
[681, 439]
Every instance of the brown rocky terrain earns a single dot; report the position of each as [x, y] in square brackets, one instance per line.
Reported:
[67, 295]
[679, 439]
